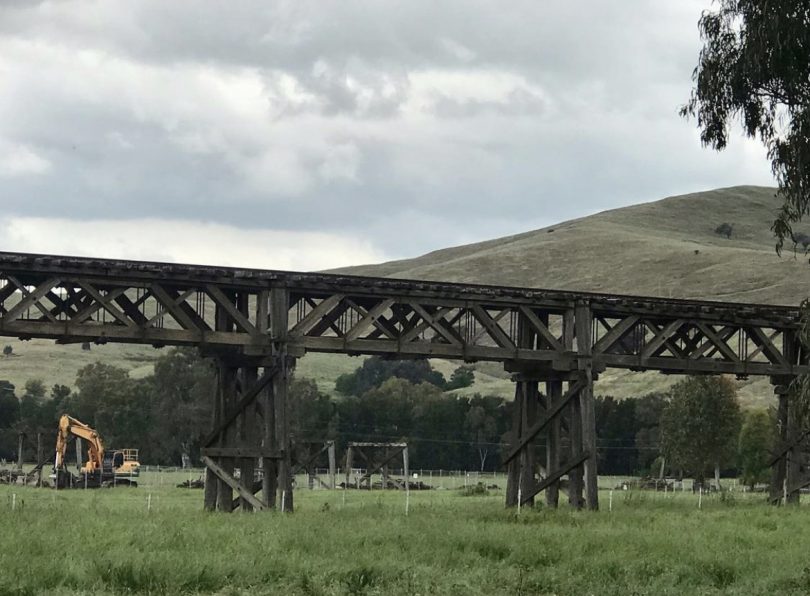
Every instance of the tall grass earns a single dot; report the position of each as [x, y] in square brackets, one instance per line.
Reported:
[107, 541]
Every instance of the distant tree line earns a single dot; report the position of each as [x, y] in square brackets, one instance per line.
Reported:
[695, 428]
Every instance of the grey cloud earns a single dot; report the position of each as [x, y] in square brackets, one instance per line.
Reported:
[413, 124]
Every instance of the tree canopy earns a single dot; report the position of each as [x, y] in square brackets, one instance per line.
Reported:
[700, 424]
[757, 437]
[754, 69]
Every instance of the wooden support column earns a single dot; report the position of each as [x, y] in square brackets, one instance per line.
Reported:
[269, 467]
[778, 467]
[40, 459]
[332, 465]
[211, 483]
[279, 323]
[574, 423]
[527, 459]
[227, 401]
[584, 335]
[513, 467]
[794, 454]
[520, 469]
[349, 462]
[248, 436]
[20, 447]
[553, 395]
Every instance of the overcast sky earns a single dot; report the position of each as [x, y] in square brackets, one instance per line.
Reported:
[306, 135]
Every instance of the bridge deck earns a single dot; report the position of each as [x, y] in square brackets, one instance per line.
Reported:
[87, 299]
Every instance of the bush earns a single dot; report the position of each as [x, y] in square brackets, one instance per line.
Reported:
[724, 229]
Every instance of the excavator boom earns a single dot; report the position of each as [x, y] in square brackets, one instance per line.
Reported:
[101, 466]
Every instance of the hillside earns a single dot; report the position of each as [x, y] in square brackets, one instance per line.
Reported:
[663, 248]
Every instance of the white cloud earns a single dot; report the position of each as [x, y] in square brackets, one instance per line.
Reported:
[186, 242]
[19, 160]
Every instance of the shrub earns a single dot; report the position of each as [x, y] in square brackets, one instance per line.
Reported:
[724, 229]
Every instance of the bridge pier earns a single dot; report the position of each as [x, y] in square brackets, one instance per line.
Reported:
[565, 419]
[250, 413]
[786, 477]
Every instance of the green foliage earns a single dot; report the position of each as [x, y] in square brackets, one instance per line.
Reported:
[177, 400]
[7, 350]
[754, 68]
[616, 429]
[375, 371]
[9, 416]
[756, 442]
[724, 229]
[463, 376]
[701, 423]
[312, 413]
[649, 409]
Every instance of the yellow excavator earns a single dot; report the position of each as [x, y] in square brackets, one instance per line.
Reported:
[104, 467]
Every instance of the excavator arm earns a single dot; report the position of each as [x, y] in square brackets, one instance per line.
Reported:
[70, 427]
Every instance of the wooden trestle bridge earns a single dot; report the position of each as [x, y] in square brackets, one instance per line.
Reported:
[256, 323]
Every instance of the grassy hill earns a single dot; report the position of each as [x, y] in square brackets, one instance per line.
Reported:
[663, 248]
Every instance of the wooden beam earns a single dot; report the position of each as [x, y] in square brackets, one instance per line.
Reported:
[544, 420]
[232, 482]
[554, 477]
[243, 402]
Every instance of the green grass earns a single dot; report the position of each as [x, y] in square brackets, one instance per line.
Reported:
[106, 542]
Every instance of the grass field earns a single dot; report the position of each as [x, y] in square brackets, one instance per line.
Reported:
[110, 542]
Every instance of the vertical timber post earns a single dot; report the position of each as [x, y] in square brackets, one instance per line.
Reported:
[529, 410]
[40, 459]
[513, 467]
[247, 465]
[227, 399]
[332, 464]
[349, 455]
[521, 468]
[574, 422]
[584, 332]
[211, 482]
[779, 468]
[269, 467]
[279, 321]
[20, 448]
[553, 396]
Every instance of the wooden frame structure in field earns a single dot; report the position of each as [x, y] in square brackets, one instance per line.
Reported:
[306, 454]
[256, 323]
[377, 457]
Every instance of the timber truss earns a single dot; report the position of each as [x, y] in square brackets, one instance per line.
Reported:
[306, 456]
[377, 457]
[255, 324]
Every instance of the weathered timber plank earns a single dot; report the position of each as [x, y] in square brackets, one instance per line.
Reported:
[544, 419]
[554, 477]
[232, 482]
